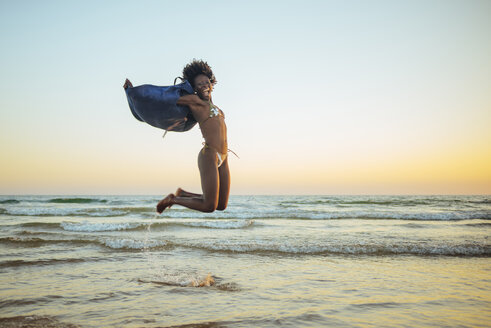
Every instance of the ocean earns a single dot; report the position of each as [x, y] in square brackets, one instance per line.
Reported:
[266, 261]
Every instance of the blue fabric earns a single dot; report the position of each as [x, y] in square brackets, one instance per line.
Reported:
[157, 106]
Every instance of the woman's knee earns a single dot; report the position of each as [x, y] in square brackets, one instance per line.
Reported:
[221, 207]
[210, 206]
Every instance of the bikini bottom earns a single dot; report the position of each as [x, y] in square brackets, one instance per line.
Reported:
[220, 157]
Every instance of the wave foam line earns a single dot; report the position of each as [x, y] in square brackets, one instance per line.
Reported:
[301, 214]
[391, 201]
[114, 243]
[265, 248]
[262, 248]
[283, 248]
[215, 224]
[87, 226]
[97, 227]
[375, 250]
[280, 213]
[132, 244]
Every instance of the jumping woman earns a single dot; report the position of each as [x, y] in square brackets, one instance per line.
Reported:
[212, 158]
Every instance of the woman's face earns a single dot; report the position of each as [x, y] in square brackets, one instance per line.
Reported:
[203, 86]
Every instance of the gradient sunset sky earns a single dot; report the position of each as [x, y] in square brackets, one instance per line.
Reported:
[320, 97]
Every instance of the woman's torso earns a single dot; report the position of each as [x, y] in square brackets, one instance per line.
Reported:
[213, 128]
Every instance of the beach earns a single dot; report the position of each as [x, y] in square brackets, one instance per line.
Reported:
[266, 261]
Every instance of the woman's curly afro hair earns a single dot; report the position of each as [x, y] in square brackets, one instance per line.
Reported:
[195, 68]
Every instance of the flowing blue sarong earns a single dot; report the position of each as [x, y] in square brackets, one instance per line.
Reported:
[158, 107]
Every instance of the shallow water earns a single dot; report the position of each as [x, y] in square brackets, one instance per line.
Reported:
[347, 261]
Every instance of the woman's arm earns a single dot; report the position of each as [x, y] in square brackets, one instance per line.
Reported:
[196, 105]
[189, 100]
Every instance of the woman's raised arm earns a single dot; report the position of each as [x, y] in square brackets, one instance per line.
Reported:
[189, 100]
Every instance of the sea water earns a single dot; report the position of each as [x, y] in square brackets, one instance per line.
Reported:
[266, 261]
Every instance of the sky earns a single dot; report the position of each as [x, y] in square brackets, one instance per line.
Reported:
[320, 97]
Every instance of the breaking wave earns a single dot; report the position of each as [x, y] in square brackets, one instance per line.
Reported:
[264, 247]
[96, 227]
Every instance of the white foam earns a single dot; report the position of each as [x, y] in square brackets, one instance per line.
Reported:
[221, 224]
[102, 213]
[95, 227]
[328, 213]
[132, 243]
[42, 211]
[297, 247]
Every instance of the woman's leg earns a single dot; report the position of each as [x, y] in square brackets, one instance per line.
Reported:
[208, 201]
[224, 187]
[183, 193]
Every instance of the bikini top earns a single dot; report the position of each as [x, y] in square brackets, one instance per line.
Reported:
[214, 111]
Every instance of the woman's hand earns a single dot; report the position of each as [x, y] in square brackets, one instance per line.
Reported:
[127, 84]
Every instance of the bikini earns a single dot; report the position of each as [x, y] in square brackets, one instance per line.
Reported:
[215, 111]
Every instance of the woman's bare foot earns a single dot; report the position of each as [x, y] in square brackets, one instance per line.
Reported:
[127, 84]
[183, 193]
[166, 202]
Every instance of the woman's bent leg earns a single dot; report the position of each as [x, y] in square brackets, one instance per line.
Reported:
[208, 201]
[183, 193]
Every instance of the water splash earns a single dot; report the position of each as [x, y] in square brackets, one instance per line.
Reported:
[153, 265]
[163, 276]
[202, 282]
